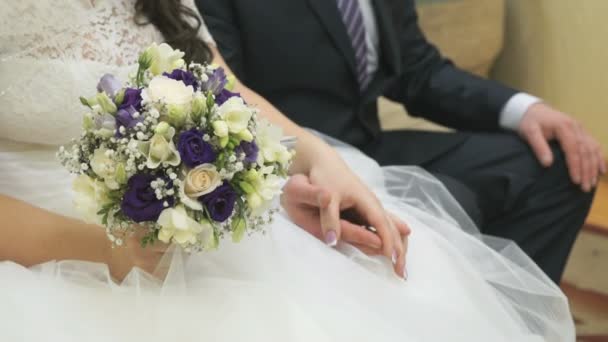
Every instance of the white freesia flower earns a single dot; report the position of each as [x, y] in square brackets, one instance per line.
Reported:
[105, 167]
[220, 128]
[178, 227]
[90, 196]
[245, 135]
[236, 114]
[160, 149]
[106, 103]
[163, 58]
[199, 106]
[268, 139]
[264, 187]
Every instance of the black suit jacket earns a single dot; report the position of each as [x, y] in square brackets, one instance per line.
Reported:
[298, 55]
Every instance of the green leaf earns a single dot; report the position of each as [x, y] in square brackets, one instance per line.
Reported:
[210, 101]
[239, 226]
[246, 187]
[84, 101]
[104, 219]
[120, 97]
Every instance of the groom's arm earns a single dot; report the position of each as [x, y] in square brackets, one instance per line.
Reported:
[430, 86]
[221, 18]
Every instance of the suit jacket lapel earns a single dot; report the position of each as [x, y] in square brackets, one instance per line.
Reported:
[328, 13]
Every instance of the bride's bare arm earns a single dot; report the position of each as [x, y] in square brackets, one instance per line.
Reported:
[308, 144]
[31, 236]
[337, 189]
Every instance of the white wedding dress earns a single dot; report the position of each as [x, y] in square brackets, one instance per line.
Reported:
[281, 286]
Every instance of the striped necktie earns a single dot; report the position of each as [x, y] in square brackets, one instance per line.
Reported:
[353, 20]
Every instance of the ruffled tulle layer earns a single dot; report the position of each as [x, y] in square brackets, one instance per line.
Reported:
[287, 286]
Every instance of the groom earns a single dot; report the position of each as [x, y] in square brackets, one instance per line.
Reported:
[324, 63]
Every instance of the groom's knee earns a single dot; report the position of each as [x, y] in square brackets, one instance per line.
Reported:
[559, 174]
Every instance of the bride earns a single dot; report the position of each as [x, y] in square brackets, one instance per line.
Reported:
[61, 281]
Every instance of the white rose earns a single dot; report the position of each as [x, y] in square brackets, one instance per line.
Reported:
[178, 227]
[236, 114]
[175, 94]
[160, 149]
[199, 181]
[202, 180]
[268, 139]
[169, 91]
[164, 58]
[105, 167]
[90, 196]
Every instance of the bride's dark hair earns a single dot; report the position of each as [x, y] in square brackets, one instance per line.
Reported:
[179, 25]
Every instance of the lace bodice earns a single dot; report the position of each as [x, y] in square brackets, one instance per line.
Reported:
[52, 52]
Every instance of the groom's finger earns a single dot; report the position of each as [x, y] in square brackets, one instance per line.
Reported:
[539, 145]
[402, 227]
[367, 250]
[374, 216]
[357, 235]
[406, 245]
[399, 263]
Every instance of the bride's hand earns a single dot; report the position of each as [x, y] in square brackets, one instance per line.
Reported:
[131, 254]
[316, 203]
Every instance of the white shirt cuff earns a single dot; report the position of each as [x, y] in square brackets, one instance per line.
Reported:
[514, 110]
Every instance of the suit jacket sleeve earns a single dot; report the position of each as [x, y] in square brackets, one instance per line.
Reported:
[432, 87]
[221, 19]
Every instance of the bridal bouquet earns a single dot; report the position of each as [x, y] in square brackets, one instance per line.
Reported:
[175, 153]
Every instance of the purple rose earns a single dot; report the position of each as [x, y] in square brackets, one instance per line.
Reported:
[184, 76]
[193, 149]
[224, 96]
[216, 83]
[250, 149]
[220, 203]
[132, 99]
[109, 85]
[139, 202]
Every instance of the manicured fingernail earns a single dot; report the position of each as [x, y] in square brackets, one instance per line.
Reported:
[394, 257]
[331, 239]
[405, 276]
[546, 160]
[586, 187]
[594, 182]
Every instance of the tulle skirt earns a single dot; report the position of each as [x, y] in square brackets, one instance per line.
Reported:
[287, 286]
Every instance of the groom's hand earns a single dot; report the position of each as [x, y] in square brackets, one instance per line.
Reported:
[542, 124]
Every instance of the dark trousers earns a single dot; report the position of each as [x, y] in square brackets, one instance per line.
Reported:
[500, 184]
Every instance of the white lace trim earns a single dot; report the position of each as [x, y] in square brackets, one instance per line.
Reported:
[52, 52]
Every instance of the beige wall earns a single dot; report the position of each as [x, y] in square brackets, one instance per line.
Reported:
[558, 49]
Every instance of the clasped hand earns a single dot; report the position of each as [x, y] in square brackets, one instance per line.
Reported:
[333, 204]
